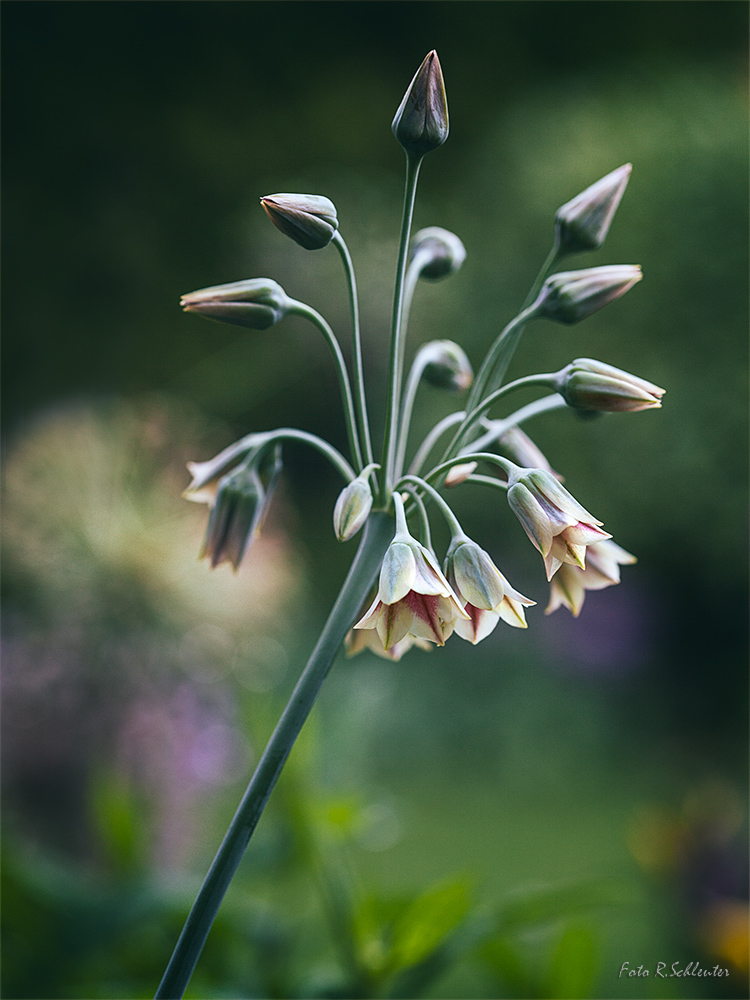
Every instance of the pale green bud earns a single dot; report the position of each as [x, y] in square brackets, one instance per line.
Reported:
[421, 122]
[447, 366]
[240, 508]
[309, 219]
[353, 506]
[438, 251]
[583, 222]
[257, 303]
[591, 385]
[571, 296]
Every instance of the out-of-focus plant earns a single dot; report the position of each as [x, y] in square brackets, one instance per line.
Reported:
[417, 601]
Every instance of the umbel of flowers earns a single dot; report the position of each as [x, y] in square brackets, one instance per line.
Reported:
[418, 600]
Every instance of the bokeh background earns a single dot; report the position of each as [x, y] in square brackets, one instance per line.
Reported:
[515, 819]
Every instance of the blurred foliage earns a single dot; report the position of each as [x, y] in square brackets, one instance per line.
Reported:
[512, 820]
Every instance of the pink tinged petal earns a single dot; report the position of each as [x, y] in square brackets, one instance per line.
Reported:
[370, 618]
[477, 579]
[567, 589]
[394, 623]
[397, 573]
[512, 612]
[546, 486]
[532, 517]
[480, 624]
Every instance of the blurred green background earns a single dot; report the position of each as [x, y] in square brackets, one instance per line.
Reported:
[515, 819]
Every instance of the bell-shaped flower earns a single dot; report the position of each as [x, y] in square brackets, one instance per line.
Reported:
[257, 303]
[206, 475]
[242, 501]
[446, 365]
[437, 252]
[482, 590]
[421, 122]
[558, 526]
[358, 640]
[583, 222]
[591, 385]
[413, 597]
[353, 506]
[570, 296]
[569, 584]
[308, 219]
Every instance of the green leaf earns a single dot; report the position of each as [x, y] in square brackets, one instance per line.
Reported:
[573, 963]
[425, 922]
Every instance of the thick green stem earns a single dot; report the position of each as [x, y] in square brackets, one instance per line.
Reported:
[377, 536]
[396, 364]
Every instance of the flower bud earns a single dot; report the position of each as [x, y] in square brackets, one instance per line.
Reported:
[571, 296]
[353, 506]
[309, 219]
[441, 252]
[240, 508]
[592, 385]
[446, 366]
[421, 122]
[458, 474]
[256, 303]
[583, 222]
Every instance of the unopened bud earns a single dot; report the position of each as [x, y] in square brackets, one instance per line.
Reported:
[583, 222]
[591, 385]
[257, 303]
[438, 251]
[458, 474]
[353, 506]
[571, 296]
[309, 219]
[421, 122]
[446, 366]
[517, 443]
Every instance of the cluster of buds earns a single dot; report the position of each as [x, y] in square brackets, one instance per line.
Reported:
[417, 601]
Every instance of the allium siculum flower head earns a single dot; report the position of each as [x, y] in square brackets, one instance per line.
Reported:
[570, 296]
[591, 385]
[308, 219]
[353, 506]
[240, 508]
[413, 597]
[583, 222]
[421, 122]
[558, 526]
[482, 590]
[257, 303]
[569, 584]
[438, 252]
[447, 366]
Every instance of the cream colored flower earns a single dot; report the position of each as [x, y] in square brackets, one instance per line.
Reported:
[482, 590]
[569, 584]
[368, 638]
[553, 519]
[413, 597]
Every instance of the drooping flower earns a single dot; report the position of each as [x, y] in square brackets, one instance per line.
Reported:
[482, 590]
[569, 584]
[437, 251]
[358, 640]
[242, 500]
[446, 366]
[558, 526]
[413, 597]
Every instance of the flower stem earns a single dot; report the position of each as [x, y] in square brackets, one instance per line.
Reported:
[377, 536]
[302, 309]
[396, 364]
[359, 381]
